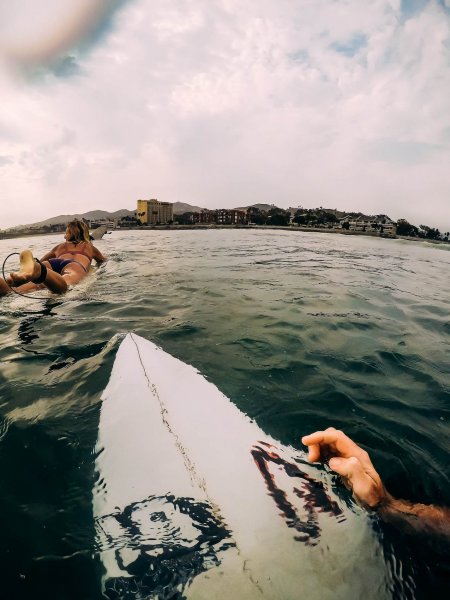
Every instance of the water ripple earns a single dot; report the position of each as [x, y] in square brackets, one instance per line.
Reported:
[300, 330]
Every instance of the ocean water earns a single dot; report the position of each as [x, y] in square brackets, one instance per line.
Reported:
[300, 330]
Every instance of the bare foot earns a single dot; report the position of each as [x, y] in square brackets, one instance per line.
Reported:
[29, 270]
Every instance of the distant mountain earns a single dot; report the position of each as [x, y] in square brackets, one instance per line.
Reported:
[98, 215]
[265, 207]
[93, 215]
[178, 209]
[181, 207]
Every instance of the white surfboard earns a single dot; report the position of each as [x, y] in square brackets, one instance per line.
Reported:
[99, 232]
[194, 500]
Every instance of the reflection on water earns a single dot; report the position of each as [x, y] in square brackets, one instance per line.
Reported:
[301, 331]
[26, 330]
[156, 547]
[313, 497]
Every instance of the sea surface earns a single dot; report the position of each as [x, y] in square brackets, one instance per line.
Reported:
[300, 330]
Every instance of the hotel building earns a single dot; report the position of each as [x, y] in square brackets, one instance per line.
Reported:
[152, 212]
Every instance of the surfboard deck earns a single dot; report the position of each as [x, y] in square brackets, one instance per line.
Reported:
[193, 498]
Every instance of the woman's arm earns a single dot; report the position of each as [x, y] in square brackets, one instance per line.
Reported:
[98, 256]
[51, 254]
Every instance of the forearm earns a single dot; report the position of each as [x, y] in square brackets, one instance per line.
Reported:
[353, 464]
[98, 256]
[415, 518]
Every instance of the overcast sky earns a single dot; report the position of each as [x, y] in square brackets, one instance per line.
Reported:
[223, 103]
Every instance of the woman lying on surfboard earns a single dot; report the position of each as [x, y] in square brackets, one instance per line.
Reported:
[65, 265]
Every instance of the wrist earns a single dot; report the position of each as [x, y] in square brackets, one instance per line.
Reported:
[390, 506]
[383, 501]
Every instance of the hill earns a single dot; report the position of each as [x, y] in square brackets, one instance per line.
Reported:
[93, 215]
[265, 207]
[181, 207]
[178, 209]
[104, 215]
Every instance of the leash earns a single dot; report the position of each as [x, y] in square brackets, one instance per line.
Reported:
[12, 288]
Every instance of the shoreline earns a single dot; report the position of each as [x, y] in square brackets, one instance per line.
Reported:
[202, 227]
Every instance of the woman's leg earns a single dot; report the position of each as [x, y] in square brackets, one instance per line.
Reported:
[23, 289]
[4, 287]
[73, 273]
[30, 270]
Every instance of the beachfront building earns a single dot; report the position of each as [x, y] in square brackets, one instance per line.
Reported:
[153, 212]
[222, 216]
[109, 223]
[379, 225]
[206, 216]
[225, 216]
[388, 227]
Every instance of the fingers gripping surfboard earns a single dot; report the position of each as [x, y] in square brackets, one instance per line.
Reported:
[194, 500]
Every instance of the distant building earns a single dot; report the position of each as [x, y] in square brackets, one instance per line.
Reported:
[222, 216]
[207, 216]
[334, 211]
[231, 217]
[388, 227]
[152, 212]
[57, 227]
[109, 223]
[381, 225]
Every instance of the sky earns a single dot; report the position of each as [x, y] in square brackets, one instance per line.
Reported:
[223, 103]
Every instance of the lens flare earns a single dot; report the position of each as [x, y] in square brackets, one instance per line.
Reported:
[36, 34]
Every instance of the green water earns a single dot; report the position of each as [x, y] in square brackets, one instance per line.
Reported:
[300, 330]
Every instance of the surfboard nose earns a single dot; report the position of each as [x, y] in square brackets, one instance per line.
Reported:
[170, 441]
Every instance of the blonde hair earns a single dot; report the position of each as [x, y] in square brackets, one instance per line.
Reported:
[78, 231]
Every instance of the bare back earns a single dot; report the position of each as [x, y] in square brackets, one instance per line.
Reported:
[82, 252]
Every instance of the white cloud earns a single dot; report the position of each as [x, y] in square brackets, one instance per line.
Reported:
[226, 103]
